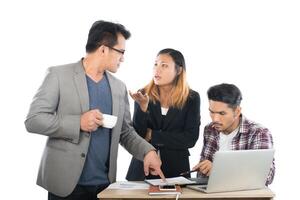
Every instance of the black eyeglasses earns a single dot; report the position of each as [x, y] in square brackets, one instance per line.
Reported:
[117, 50]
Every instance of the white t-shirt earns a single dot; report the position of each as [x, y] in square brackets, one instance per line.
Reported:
[226, 140]
[164, 110]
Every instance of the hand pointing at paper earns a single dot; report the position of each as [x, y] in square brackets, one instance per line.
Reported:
[152, 165]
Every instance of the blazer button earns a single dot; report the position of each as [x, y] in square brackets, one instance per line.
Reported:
[83, 155]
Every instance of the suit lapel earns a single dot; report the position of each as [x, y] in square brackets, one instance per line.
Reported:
[172, 112]
[81, 86]
[156, 110]
[157, 118]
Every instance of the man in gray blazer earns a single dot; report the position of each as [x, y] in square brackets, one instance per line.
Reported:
[80, 157]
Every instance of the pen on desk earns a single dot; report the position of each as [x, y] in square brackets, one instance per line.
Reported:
[188, 172]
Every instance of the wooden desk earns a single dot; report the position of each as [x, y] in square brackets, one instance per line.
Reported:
[187, 194]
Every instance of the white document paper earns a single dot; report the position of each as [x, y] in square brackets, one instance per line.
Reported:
[128, 185]
[170, 181]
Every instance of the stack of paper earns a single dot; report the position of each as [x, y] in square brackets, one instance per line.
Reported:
[170, 181]
[128, 185]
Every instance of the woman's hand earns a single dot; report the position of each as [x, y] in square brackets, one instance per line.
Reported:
[141, 99]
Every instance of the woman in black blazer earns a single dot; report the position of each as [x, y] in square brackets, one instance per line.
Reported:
[167, 115]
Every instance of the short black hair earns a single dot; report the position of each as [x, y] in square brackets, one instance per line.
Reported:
[104, 33]
[226, 93]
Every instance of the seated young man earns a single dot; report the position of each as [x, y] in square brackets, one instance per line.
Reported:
[229, 129]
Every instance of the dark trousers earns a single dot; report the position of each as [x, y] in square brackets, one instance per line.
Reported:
[80, 193]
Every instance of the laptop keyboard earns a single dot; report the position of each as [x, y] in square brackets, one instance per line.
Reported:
[204, 187]
[200, 181]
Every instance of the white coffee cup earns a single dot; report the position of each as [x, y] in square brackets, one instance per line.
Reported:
[109, 121]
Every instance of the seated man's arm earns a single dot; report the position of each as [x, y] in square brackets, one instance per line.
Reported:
[208, 150]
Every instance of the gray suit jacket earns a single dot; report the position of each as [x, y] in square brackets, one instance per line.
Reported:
[55, 112]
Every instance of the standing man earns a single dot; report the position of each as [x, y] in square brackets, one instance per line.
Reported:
[80, 157]
[229, 129]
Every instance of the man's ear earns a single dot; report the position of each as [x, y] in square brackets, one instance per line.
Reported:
[102, 49]
[237, 112]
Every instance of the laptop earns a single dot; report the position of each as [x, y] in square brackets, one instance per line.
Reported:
[199, 181]
[238, 170]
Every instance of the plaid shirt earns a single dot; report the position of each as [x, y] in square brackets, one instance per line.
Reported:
[250, 136]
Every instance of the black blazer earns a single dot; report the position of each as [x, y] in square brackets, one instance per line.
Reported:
[172, 136]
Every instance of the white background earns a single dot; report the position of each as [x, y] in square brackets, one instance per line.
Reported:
[253, 44]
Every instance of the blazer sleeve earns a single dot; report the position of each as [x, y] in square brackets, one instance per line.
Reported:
[132, 142]
[186, 138]
[43, 117]
[140, 120]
